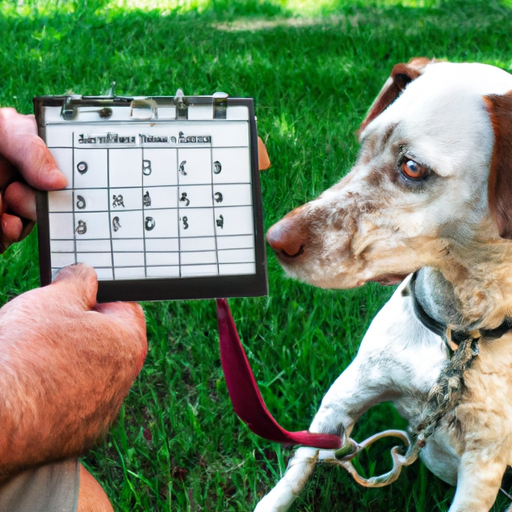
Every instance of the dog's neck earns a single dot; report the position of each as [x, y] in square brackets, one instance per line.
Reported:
[437, 297]
[472, 290]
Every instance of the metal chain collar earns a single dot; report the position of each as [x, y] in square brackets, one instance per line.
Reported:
[449, 388]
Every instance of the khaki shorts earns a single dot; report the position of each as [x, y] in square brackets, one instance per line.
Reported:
[50, 488]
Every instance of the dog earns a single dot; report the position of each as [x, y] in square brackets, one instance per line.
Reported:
[428, 204]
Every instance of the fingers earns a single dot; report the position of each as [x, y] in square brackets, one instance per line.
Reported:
[12, 228]
[37, 165]
[20, 199]
[130, 314]
[22, 152]
[122, 322]
[128, 309]
[83, 282]
[19, 213]
[20, 145]
[127, 319]
[7, 172]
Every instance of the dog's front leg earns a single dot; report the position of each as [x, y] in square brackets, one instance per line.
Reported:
[398, 356]
[299, 470]
[478, 483]
[346, 400]
[360, 386]
[399, 360]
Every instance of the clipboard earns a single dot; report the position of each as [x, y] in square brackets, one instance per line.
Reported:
[163, 195]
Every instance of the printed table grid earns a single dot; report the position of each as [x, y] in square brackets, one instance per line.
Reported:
[162, 210]
[192, 179]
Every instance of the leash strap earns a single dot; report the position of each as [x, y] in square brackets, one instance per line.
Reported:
[245, 395]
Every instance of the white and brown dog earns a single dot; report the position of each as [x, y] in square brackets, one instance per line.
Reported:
[431, 193]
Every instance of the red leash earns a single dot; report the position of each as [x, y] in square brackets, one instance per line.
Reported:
[245, 395]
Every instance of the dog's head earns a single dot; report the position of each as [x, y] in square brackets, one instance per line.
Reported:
[430, 177]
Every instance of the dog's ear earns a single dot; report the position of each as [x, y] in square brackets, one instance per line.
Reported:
[401, 75]
[500, 176]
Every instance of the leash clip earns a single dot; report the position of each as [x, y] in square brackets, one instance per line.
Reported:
[351, 450]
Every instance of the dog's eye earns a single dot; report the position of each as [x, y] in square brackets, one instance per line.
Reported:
[413, 170]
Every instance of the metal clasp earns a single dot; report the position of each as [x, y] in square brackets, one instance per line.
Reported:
[68, 111]
[181, 105]
[220, 105]
[144, 109]
[351, 449]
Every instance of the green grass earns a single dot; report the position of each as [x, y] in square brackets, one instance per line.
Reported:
[313, 69]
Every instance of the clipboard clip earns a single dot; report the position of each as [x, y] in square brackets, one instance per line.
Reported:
[68, 111]
[73, 101]
[219, 100]
[220, 105]
[181, 102]
[142, 108]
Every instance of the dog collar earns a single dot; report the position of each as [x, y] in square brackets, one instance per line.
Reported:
[450, 336]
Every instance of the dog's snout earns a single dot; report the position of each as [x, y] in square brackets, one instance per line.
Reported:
[288, 237]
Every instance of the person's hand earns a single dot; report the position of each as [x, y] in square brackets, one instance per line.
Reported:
[66, 365]
[26, 164]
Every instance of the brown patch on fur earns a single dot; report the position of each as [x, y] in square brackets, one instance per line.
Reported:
[375, 178]
[500, 177]
[346, 217]
[367, 206]
[401, 75]
[391, 172]
[387, 135]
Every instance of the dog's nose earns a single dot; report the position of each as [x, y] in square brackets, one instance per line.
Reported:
[287, 237]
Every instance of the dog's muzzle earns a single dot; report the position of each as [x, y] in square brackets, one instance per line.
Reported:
[288, 237]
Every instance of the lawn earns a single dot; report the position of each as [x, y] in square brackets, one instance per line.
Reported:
[313, 68]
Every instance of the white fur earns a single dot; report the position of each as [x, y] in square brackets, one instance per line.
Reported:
[399, 360]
